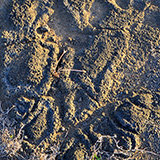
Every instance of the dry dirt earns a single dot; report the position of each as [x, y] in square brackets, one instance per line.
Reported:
[117, 43]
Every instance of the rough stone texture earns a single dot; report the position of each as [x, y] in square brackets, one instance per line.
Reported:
[117, 43]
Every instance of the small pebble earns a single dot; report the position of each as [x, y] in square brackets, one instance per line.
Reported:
[80, 99]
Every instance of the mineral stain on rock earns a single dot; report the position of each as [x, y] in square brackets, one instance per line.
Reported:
[116, 42]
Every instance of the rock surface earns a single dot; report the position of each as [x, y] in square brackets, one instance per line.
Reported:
[117, 43]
